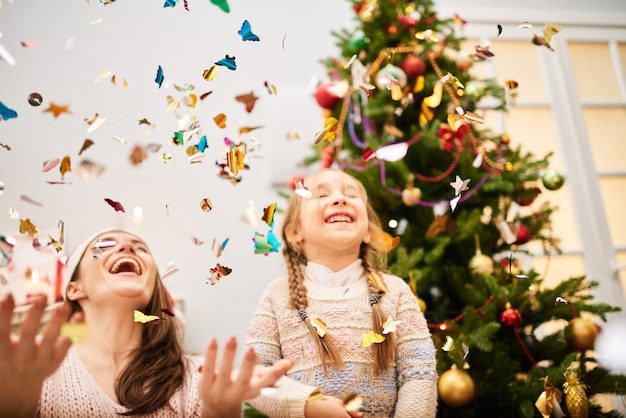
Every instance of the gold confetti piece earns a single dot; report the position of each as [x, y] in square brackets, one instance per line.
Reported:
[539, 41]
[319, 325]
[206, 204]
[103, 73]
[209, 74]
[220, 120]
[434, 100]
[94, 123]
[190, 101]
[120, 139]
[390, 325]
[26, 226]
[352, 402]
[86, 144]
[372, 338]
[87, 169]
[13, 213]
[550, 30]
[293, 135]
[268, 214]
[248, 99]
[57, 110]
[35, 99]
[315, 396]
[143, 318]
[525, 25]
[165, 158]
[5, 146]
[449, 344]
[172, 104]
[511, 84]
[66, 166]
[460, 185]
[77, 332]
[138, 155]
[246, 129]
[236, 159]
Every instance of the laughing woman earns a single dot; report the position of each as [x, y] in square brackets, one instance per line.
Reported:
[123, 367]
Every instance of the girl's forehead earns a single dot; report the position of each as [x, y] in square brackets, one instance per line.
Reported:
[118, 236]
[332, 178]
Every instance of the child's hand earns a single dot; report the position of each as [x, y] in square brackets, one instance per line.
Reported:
[329, 407]
[27, 359]
[223, 390]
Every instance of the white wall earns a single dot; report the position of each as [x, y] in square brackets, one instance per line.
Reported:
[132, 40]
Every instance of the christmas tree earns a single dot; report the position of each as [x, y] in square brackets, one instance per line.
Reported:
[405, 115]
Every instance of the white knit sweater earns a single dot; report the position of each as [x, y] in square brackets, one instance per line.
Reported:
[72, 392]
[408, 390]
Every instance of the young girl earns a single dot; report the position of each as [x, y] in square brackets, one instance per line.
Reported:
[124, 367]
[348, 328]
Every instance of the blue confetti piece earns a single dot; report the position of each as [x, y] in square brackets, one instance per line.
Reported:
[246, 32]
[228, 62]
[170, 3]
[159, 76]
[6, 113]
[202, 144]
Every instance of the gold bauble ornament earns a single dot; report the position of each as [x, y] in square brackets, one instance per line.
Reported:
[575, 395]
[455, 387]
[581, 334]
[411, 196]
[481, 263]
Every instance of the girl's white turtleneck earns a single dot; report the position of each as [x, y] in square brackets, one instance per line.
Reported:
[323, 276]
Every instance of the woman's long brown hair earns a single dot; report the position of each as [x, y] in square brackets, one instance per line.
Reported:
[156, 369]
[373, 257]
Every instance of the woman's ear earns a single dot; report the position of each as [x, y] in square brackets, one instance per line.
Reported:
[366, 238]
[74, 291]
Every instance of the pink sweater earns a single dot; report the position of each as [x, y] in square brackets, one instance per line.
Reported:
[408, 390]
[71, 392]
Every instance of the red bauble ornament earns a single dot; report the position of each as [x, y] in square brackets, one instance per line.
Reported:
[324, 97]
[413, 66]
[526, 197]
[511, 318]
[523, 234]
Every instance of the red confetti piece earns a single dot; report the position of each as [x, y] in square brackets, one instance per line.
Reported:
[115, 205]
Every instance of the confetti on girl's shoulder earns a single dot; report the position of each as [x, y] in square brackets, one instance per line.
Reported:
[143, 318]
[222, 4]
[246, 32]
[115, 205]
[248, 99]
[372, 338]
[228, 62]
[6, 113]
[77, 332]
[159, 76]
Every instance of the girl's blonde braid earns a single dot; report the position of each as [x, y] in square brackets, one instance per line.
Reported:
[384, 352]
[326, 347]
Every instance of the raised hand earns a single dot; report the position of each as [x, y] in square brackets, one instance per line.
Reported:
[28, 358]
[223, 390]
